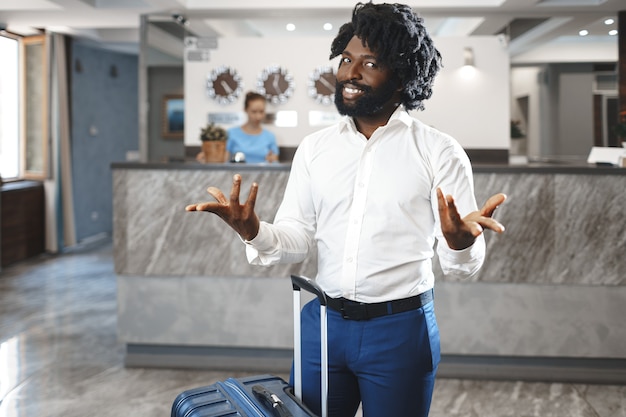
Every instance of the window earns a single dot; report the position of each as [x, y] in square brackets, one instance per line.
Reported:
[34, 107]
[9, 108]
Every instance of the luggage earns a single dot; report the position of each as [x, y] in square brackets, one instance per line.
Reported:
[261, 395]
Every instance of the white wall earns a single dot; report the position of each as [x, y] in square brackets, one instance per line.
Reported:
[249, 56]
[475, 111]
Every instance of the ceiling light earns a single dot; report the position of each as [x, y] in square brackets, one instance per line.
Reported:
[613, 32]
[290, 27]
[609, 21]
[583, 32]
[328, 26]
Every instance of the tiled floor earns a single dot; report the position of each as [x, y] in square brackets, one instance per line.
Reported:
[59, 356]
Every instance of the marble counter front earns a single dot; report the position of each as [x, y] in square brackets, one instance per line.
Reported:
[553, 285]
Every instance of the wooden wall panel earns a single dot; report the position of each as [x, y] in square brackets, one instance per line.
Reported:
[21, 221]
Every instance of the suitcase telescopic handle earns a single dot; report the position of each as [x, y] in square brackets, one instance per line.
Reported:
[309, 285]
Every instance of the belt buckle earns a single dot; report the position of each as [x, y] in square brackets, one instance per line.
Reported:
[353, 312]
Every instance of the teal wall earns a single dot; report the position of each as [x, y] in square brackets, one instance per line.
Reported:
[104, 126]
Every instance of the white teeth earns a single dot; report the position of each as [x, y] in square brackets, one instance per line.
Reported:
[351, 90]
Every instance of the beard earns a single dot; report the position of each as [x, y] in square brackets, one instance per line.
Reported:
[372, 101]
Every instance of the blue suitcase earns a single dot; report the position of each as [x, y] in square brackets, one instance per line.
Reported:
[261, 395]
[255, 396]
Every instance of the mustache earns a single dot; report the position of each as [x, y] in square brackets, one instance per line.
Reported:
[341, 84]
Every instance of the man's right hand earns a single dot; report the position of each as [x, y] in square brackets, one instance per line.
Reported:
[241, 218]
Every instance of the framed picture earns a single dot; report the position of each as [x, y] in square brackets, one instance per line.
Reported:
[173, 115]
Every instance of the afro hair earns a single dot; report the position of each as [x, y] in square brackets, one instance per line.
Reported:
[400, 40]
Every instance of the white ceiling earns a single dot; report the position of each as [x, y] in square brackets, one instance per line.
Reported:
[529, 25]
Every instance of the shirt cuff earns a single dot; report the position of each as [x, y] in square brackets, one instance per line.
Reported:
[476, 251]
[263, 241]
[465, 262]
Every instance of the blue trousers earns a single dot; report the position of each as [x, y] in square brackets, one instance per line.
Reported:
[387, 363]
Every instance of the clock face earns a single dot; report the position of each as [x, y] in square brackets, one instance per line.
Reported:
[276, 84]
[224, 85]
[322, 85]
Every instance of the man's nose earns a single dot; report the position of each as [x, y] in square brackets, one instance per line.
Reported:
[352, 73]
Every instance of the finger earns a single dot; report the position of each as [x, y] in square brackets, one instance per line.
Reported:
[234, 192]
[211, 206]
[489, 223]
[442, 203]
[492, 204]
[217, 194]
[475, 228]
[251, 201]
[453, 213]
[191, 207]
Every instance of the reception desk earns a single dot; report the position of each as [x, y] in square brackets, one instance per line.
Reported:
[548, 304]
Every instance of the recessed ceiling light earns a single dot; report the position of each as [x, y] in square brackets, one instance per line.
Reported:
[583, 32]
[609, 21]
[328, 26]
[613, 32]
[290, 27]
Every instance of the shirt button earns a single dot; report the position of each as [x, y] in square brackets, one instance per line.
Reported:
[361, 185]
[349, 260]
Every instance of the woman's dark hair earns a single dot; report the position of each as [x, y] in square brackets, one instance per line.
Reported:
[251, 96]
[399, 39]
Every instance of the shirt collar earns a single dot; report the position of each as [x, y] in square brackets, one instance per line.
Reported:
[400, 115]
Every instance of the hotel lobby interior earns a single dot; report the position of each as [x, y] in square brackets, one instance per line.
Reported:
[114, 300]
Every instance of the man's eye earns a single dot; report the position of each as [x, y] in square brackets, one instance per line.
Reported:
[345, 60]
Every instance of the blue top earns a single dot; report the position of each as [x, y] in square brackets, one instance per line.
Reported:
[255, 147]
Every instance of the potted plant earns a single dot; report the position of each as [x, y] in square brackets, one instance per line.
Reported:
[516, 130]
[213, 143]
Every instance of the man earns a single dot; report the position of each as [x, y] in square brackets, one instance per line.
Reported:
[367, 194]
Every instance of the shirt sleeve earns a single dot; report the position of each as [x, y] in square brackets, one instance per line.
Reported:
[462, 263]
[291, 237]
[454, 176]
[263, 249]
[273, 145]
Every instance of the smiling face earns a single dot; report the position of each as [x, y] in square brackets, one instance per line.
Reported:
[365, 87]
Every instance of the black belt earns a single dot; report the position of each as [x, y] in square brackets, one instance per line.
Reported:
[354, 310]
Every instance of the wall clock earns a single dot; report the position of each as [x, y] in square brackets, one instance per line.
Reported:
[276, 84]
[224, 85]
[321, 85]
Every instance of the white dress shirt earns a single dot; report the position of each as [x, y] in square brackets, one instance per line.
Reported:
[370, 209]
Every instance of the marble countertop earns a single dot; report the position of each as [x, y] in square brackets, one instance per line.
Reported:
[194, 165]
[547, 166]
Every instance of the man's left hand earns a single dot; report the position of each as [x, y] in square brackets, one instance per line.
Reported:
[460, 233]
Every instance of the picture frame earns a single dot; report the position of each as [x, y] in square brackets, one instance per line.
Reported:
[173, 116]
